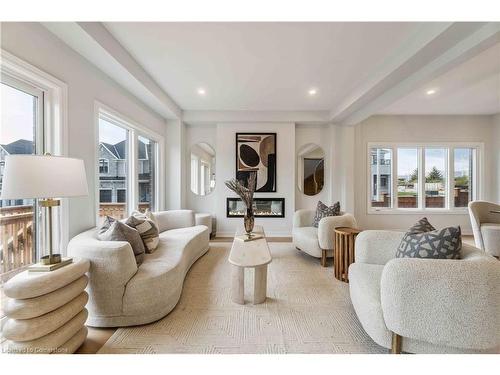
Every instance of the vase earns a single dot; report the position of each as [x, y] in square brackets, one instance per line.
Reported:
[249, 220]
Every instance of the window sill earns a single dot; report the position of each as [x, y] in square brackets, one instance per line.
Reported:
[430, 211]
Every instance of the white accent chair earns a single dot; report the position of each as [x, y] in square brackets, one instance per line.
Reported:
[318, 242]
[124, 294]
[486, 226]
[425, 305]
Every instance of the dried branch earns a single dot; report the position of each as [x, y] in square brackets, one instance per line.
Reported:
[245, 193]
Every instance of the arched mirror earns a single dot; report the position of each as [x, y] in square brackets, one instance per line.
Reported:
[311, 169]
[202, 169]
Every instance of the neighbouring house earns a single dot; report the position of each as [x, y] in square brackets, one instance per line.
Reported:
[21, 146]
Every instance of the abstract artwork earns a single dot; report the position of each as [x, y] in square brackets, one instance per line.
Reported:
[256, 152]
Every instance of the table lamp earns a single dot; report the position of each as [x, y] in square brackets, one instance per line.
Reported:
[47, 178]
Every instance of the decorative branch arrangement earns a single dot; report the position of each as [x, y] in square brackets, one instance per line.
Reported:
[246, 194]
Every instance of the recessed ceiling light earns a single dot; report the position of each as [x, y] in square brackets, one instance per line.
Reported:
[312, 92]
[431, 92]
[201, 91]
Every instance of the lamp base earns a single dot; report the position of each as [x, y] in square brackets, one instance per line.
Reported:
[56, 258]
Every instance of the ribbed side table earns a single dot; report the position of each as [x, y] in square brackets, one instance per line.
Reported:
[343, 254]
[46, 310]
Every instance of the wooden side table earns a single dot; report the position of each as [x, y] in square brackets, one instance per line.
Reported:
[343, 254]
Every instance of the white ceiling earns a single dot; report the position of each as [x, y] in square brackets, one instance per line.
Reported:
[262, 66]
[472, 87]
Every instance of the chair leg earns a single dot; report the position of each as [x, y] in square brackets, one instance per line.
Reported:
[396, 344]
[323, 258]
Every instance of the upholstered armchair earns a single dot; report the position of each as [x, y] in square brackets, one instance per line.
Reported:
[318, 242]
[486, 226]
[425, 305]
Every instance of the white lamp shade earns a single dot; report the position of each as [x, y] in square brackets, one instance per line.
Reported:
[37, 176]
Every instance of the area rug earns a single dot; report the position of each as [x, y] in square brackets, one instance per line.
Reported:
[307, 311]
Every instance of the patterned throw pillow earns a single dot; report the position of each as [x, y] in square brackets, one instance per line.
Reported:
[421, 226]
[322, 210]
[114, 230]
[146, 228]
[437, 244]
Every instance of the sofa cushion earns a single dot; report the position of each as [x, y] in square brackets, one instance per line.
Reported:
[491, 238]
[444, 243]
[322, 210]
[147, 230]
[421, 226]
[114, 230]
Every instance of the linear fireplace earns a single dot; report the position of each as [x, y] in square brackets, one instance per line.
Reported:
[262, 207]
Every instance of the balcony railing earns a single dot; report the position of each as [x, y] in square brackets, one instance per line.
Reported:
[118, 210]
[17, 247]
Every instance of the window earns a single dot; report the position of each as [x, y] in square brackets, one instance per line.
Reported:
[132, 157]
[103, 166]
[194, 174]
[113, 149]
[463, 169]
[408, 178]
[381, 173]
[436, 190]
[22, 133]
[105, 195]
[121, 195]
[429, 177]
[146, 149]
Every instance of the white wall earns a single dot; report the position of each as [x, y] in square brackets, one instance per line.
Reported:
[36, 45]
[419, 129]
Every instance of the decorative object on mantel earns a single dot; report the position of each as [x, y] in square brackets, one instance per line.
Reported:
[44, 177]
[246, 195]
[256, 153]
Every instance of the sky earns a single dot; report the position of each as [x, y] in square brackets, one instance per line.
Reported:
[17, 108]
[407, 160]
[110, 133]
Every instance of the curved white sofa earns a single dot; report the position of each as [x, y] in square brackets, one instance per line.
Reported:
[124, 294]
[435, 305]
[318, 242]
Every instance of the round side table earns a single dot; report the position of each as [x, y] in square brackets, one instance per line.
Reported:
[343, 253]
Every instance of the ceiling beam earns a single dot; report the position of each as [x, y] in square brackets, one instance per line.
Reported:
[94, 42]
[218, 117]
[433, 51]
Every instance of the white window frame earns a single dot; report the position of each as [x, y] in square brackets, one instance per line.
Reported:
[134, 131]
[477, 178]
[55, 122]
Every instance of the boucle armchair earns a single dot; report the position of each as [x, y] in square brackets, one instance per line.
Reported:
[486, 226]
[425, 305]
[318, 242]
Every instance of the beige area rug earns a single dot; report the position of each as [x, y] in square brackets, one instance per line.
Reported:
[307, 311]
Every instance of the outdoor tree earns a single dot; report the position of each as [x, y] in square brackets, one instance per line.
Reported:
[414, 175]
[435, 175]
[462, 181]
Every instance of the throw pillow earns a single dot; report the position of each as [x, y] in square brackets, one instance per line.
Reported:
[437, 244]
[147, 230]
[322, 210]
[114, 230]
[421, 226]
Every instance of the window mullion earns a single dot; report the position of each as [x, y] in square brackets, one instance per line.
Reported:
[450, 177]
[394, 177]
[421, 179]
